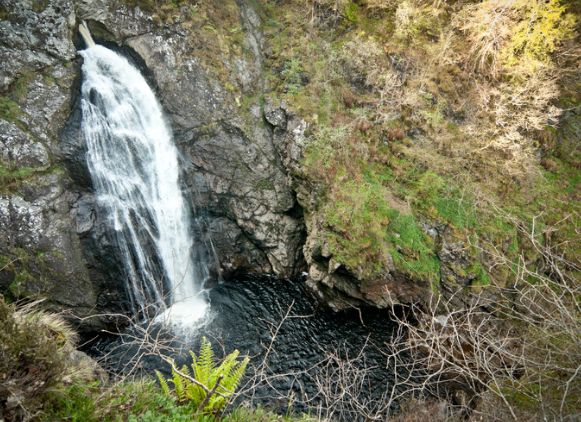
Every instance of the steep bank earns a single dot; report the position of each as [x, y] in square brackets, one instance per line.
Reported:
[387, 143]
[438, 133]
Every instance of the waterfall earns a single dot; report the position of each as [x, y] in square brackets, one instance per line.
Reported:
[133, 164]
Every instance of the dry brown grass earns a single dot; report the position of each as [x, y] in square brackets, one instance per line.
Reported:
[488, 27]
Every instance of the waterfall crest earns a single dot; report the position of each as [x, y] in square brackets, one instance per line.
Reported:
[134, 168]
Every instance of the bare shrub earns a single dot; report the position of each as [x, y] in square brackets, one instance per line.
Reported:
[365, 59]
[526, 105]
[326, 11]
[512, 352]
[488, 27]
[518, 109]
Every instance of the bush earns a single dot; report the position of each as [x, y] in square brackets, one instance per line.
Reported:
[208, 387]
[508, 36]
[511, 353]
[32, 359]
[544, 25]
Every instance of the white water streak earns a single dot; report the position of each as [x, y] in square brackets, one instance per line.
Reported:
[134, 167]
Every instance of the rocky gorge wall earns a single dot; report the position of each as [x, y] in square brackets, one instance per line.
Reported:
[345, 140]
[53, 243]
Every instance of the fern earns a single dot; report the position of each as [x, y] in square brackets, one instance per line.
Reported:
[178, 382]
[163, 383]
[203, 366]
[205, 370]
[233, 379]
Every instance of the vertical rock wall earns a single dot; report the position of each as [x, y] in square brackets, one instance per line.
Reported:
[52, 241]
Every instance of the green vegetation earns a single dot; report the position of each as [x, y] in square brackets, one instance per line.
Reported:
[207, 387]
[365, 223]
[142, 401]
[39, 5]
[542, 27]
[431, 125]
[9, 176]
[392, 149]
[19, 89]
[9, 110]
[32, 358]
[41, 380]
[4, 14]
[13, 178]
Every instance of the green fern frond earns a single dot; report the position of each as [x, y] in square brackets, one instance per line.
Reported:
[194, 393]
[231, 382]
[227, 366]
[205, 370]
[163, 384]
[204, 365]
[185, 370]
[178, 386]
[215, 402]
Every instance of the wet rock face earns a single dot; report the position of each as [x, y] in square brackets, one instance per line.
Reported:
[232, 170]
[40, 253]
[53, 242]
[241, 158]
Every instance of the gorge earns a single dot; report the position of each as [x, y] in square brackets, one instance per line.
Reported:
[134, 172]
[401, 177]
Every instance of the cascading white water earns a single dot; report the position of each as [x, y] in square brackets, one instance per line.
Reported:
[134, 167]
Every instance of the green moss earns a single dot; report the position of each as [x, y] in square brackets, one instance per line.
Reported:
[351, 12]
[442, 201]
[414, 249]
[364, 228]
[75, 403]
[482, 278]
[19, 89]
[265, 184]
[132, 401]
[5, 262]
[4, 13]
[7, 175]
[39, 5]
[48, 79]
[141, 401]
[11, 178]
[358, 219]
[9, 109]
[23, 279]
[292, 76]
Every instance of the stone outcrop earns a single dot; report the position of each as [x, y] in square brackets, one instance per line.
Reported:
[40, 252]
[241, 155]
[232, 171]
[53, 242]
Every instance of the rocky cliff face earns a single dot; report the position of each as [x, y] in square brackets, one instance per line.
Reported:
[39, 247]
[371, 197]
[52, 240]
[231, 168]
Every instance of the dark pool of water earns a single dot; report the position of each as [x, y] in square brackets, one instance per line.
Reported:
[303, 354]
